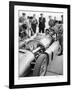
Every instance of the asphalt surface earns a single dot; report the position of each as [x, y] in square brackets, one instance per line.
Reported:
[55, 67]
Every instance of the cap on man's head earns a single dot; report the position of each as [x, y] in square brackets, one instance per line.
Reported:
[50, 16]
[41, 14]
[23, 13]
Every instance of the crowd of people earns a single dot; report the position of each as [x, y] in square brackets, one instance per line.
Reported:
[28, 24]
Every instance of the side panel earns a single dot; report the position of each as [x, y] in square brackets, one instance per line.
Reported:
[52, 50]
[25, 59]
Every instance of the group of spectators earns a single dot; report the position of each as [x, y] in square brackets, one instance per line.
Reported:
[29, 24]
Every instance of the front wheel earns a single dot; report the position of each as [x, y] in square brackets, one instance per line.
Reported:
[40, 67]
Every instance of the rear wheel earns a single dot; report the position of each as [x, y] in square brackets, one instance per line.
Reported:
[40, 67]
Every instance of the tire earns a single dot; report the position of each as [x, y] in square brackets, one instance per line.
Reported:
[43, 59]
[61, 44]
[60, 51]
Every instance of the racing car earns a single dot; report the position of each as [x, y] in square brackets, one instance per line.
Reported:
[36, 53]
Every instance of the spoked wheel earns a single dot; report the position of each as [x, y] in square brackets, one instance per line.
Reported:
[41, 65]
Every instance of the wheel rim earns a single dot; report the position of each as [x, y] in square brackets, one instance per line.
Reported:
[43, 67]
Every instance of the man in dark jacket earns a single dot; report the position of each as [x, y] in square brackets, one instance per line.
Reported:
[61, 21]
[41, 23]
[55, 21]
[51, 22]
[34, 23]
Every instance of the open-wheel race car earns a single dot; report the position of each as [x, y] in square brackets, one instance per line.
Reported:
[36, 53]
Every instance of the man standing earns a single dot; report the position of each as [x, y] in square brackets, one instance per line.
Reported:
[23, 25]
[23, 21]
[61, 21]
[34, 23]
[55, 21]
[41, 24]
[22, 18]
[51, 22]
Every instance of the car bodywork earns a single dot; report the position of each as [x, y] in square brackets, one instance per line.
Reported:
[32, 48]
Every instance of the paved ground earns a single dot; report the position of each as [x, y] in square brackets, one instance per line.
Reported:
[56, 67]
